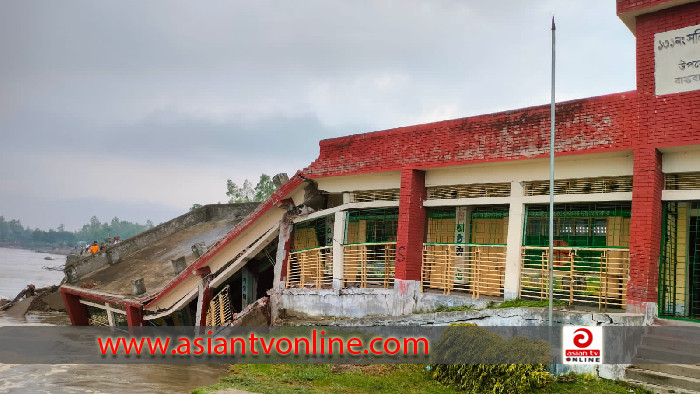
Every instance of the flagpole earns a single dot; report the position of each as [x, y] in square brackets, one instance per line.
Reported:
[551, 184]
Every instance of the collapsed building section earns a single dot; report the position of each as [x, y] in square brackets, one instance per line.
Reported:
[109, 288]
[455, 213]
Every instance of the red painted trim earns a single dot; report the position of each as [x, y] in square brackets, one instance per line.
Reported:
[134, 316]
[87, 295]
[207, 295]
[202, 271]
[263, 208]
[76, 311]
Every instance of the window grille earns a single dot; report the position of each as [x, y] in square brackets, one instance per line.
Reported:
[312, 234]
[682, 181]
[372, 226]
[465, 250]
[591, 253]
[580, 186]
[471, 190]
[376, 195]
[369, 250]
[679, 281]
[310, 260]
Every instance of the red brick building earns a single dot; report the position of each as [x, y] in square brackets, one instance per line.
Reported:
[454, 212]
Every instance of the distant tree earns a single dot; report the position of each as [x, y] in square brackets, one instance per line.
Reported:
[195, 206]
[264, 188]
[247, 193]
[13, 232]
[243, 193]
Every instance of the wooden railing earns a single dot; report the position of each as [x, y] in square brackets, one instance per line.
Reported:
[476, 269]
[588, 276]
[311, 268]
[219, 312]
[369, 265]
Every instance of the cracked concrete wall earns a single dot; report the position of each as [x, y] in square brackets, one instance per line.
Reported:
[365, 302]
[500, 317]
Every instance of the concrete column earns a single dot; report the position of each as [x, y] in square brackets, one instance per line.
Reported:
[247, 287]
[280, 270]
[204, 297]
[645, 232]
[76, 311]
[409, 242]
[283, 245]
[338, 239]
[516, 212]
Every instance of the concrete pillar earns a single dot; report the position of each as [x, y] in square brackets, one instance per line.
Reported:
[179, 264]
[283, 245]
[645, 231]
[247, 287]
[280, 269]
[199, 249]
[134, 316]
[76, 311]
[338, 239]
[138, 286]
[511, 287]
[409, 242]
[204, 296]
[280, 179]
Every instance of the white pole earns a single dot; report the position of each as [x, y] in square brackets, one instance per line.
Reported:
[551, 185]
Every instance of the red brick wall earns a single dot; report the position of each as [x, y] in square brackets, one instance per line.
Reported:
[624, 6]
[603, 123]
[409, 239]
[671, 119]
[645, 227]
[664, 121]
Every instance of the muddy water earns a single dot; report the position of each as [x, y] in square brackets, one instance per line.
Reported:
[20, 267]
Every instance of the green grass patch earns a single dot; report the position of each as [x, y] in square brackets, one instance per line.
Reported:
[351, 379]
[576, 383]
[443, 308]
[520, 303]
[378, 379]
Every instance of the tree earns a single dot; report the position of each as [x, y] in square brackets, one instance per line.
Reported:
[195, 206]
[264, 188]
[247, 193]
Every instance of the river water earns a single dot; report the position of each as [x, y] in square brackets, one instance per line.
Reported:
[20, 267]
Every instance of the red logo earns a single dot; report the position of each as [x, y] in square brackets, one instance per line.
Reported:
[584, 339]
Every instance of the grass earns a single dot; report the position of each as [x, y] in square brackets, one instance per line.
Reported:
[443, 308]
[519, 303]
[576, 383]
[350, 379]
[378, 379]
[516, 303]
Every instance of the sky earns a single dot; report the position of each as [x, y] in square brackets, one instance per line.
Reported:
[138, 110]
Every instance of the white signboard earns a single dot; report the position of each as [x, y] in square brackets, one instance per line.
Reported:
[582, 345]
[677, 60]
